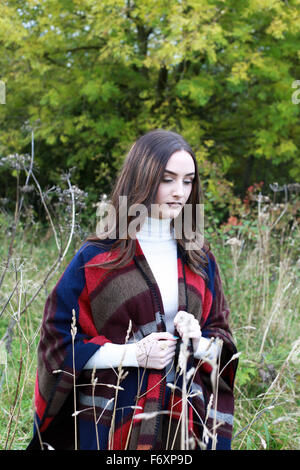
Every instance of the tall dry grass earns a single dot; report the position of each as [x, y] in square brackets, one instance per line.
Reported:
[30, 262]
[259, 264]
[264, 294]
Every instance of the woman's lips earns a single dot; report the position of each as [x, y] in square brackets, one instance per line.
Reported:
[174, 204]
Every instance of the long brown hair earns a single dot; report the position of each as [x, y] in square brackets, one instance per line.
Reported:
[138, 181]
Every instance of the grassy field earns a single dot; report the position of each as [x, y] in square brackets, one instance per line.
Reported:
[259, 263]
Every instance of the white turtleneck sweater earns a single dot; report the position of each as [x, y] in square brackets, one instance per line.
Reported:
[159, 246]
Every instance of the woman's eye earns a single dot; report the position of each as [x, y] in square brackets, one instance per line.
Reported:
[166, 180]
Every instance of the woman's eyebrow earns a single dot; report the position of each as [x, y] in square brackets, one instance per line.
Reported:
[172, 173]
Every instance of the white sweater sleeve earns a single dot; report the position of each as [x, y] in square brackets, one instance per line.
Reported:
[206, 350]
[111, 355]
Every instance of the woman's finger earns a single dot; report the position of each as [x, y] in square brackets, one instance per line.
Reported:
[163, 335]
[164, 344]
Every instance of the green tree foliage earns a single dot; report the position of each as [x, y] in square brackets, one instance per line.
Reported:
[92, 76]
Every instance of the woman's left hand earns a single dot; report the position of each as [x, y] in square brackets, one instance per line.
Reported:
[187, 325]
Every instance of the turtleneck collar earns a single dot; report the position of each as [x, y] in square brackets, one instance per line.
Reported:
[156, 229]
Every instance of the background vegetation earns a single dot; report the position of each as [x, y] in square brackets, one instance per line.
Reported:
[92, 76]
[83, 80]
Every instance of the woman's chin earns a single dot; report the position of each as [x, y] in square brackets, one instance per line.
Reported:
[170, 213]
[166, 211]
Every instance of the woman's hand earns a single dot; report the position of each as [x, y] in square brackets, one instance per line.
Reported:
[156, 350]
[188, 326]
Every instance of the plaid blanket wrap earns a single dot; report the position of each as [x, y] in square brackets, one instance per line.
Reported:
[105, 304]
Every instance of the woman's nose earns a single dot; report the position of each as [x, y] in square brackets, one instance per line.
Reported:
[178, 189]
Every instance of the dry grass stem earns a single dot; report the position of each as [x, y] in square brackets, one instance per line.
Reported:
[73, 335]
[121, 376]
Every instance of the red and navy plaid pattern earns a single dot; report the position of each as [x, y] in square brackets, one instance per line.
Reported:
[105, 303]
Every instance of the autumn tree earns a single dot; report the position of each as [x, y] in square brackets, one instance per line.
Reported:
[91, 76]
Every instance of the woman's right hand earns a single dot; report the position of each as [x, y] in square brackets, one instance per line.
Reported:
[156, 350]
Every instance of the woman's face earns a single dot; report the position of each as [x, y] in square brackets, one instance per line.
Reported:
[176, 185]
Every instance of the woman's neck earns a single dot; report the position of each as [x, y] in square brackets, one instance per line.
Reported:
[156, 229]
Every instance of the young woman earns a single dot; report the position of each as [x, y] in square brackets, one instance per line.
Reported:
[136, 350]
